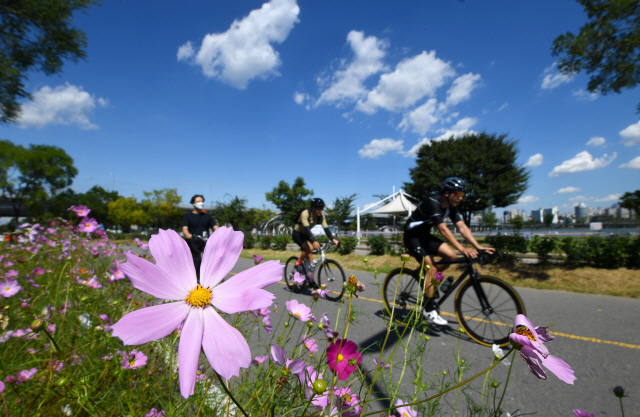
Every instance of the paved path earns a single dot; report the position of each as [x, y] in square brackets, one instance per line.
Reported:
[598, 336]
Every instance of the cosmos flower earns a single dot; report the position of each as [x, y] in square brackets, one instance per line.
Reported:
[9, 287]
[87, 225]
[343, 358]
[405, 411]
[134, 360]
[81, 211]
[298, 310]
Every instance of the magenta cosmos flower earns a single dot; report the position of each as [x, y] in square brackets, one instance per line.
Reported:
[173, 277]
[9, 288]
[343, 358]
[529, 341]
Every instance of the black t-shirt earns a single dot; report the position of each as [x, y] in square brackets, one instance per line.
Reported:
[198, 223]
[430, 213]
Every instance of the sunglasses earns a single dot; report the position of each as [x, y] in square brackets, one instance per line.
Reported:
[459, 194]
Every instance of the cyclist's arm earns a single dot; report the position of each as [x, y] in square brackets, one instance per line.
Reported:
[304, 221]
[185, 230]
[446, 233]
[466, 233]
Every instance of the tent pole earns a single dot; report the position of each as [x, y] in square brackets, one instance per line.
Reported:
[358, 225]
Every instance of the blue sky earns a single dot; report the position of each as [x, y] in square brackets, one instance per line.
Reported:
[230, 97]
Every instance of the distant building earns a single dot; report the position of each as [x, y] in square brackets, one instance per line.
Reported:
[553, 211]
[536, 216]
[582, 212]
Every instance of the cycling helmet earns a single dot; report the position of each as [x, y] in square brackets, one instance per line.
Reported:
[317, 203]
[454, 184]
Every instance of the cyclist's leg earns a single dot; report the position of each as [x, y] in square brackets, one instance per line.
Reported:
[446, 254]
[418, 247]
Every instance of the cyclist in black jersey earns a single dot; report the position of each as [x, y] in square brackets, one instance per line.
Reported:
[422, 245]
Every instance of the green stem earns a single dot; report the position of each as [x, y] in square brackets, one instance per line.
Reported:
[52, 340]
[505, 388]
[60, 279]
[621, 409]
[224, 386]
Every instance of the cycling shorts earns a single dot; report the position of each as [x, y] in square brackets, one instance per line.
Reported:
[300, 239]
[421, 246]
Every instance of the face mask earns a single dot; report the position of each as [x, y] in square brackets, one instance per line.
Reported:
[199, 205]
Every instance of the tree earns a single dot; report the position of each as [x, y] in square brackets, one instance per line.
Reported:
[28, 177]
[548, 219]
[125, 211]
[96, 199]
[342, 208]
[486, 162]
[607, 47]
[490, 219]
[290, 199]
[631, 201]
[517, 223]
[368, 222]
[162, 208]
[35, 35]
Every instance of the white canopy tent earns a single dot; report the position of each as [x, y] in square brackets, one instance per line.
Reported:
[397, 203]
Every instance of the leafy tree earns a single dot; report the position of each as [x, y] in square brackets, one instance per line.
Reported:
[631, 201]
[96, 199]
[126, 211]
[489, 219]
[517, 223]
[35, 35]
[368, 222]
[342, 209]
[548, 219]
[162, 208]
[607, 47]
[486, 162]
[290, 199]
[28, 177]
[236, 213]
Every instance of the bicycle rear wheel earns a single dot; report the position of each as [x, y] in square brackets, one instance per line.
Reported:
[331, 274]
[492, 325]
[401, 292]
[288, 272]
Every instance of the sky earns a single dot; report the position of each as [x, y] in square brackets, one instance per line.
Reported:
[227, 98]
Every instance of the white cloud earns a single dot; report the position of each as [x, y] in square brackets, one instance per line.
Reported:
[245, 51]
[584, 95]
[527, 199]
[567, 190]
[631, 135]
[463, 125]
[534, 161]
[597, 141]
[346, 85]
[462, 88]
[413, 79]
[579, 198]
[582, 162]
[633, 164]
[610, 197]
[448, 134]
[65, 105]
[300, 98]
[421, 118]
[552, 78]
[504, 106]
[378, 147]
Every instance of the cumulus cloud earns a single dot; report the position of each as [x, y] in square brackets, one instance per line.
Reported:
[534, 161]
[610, 197]
[301, 98]
[346, 85]
[567, 190]
[378, 147]
[462, 88]
[448, 134]
[245, 50]
[633, 164]
[582, 162]
[597, 141]
[631, 135]
[553, 79]
[64, 105]
[579, 198]
[584, 95]
[413, 79]
[527, 199]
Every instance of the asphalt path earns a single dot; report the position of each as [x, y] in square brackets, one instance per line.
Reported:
[598, 336]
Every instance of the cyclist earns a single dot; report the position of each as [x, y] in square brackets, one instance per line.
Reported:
[422, 245]
[195, 226]
[302, 236]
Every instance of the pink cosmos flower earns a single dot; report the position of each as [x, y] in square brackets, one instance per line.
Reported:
[87, 225]
[24, 376]
[579, 413]
[259, 359]
[81, 211]
[381, 365]
[10, 379]
[348, 403]
[90, 282]
[143, 246]
[155, 413]
[298, 311]
[405, 411]
[266, 322]
[173, 277]
[38, 271]
[134, 360]
[320, 292]
[279, 357]
[257, 259]
[9, 288]
[298, 279]
[529, 342]
[343, 358]
[310, 344]
[12, 273]
[1, 386]
[117, 274]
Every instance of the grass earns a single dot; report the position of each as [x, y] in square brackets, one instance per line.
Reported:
[620, 282]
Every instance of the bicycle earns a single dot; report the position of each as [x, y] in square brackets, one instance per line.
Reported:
[484, 305]
[326, 270]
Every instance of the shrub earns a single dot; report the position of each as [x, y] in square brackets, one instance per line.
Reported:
[610, 252]
[543, 246]
[249, 241]
[633, 253]
[378, 245]
[265, 242]
[575, 251]
[508, 245]
[281, 242]
[347, 245]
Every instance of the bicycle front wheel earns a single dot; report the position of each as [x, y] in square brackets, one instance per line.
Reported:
[288, 272]
[401, 292]
[493, 324]
[331, 274]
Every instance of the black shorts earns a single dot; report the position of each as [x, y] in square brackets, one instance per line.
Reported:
[421, 246]
[300, 239]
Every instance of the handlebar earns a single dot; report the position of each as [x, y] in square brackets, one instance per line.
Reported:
[483, 258]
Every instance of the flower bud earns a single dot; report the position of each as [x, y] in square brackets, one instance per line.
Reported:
[286, 324]
[618, 391]
[447, 384]
[366, 260]
[37, 325]
[427, 338]
[461, 330]
[462, 361]
[310, 324]
[437, 374]
[319, 386]
[61, 382]
[444, 373]
[405, 257]
[496, 357]
[320, 326]
[495, 384]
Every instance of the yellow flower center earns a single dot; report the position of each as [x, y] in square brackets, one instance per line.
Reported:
[298, 314]
[87, 224]
[405, 414]
[347, 398]
[132, 363]
[199, 296]
[340, 357]
[524, 331]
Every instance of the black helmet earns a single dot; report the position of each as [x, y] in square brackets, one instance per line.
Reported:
[454, 184]
[317, 203]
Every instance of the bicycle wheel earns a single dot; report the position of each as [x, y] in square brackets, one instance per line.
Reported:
[493, 325]
[288, 272]
[331, 274]
[401, 291]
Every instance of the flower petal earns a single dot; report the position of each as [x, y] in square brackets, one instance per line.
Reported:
[278, 355]
[224, 346]
[235, 299]
[172, 254]
[151, 279]
[259, 276]
[151, 323]
[544, 334]
[522, 320]
[559, 368]
[529, 356]
[220, 255]
[189, 351]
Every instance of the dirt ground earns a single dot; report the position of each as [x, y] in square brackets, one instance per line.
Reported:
[620, 282]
